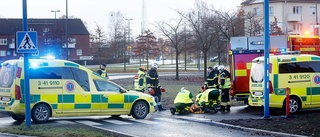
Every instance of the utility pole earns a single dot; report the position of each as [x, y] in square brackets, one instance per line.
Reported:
[129, 41]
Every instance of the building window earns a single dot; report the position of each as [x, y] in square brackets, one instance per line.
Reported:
[256, 11]
[313, 10]
[72, 40]
[79, 52]
[45, 29]
[3, 53]
[297, 9]
[3, 41]
[297, 27]
[271, 11]
[31, 29]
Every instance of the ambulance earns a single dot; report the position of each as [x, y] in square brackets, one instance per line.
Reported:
[64, 88]
[299, 72]
[243, 49]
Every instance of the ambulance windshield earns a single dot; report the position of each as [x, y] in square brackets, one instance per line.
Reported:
[257, 72]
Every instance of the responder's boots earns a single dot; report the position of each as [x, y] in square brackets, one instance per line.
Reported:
[173, 110]
[160, 108]
[228, 107]
[222, 108]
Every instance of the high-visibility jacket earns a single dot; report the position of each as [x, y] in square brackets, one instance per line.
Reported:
[102, 73]
[209, 94]
[225, 81]
[184, 96]
[140, 83]
[198, 97]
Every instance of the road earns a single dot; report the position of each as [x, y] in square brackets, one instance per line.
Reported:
[158, 124]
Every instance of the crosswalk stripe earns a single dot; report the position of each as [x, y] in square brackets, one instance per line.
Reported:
[144, 121]
[89, 123]
[193, 118]
[173, 120]
[118, 122]
[66, 122]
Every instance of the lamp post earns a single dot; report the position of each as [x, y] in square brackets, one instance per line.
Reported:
[67, 41]
[129, 42]
[55, 17]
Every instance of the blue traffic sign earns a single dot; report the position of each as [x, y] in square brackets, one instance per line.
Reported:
[26, 42]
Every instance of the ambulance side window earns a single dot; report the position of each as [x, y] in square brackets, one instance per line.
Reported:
[81, 77]
[314, 66]
[104, 86]
[50, 73]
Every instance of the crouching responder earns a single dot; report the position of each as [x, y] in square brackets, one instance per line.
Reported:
[225, 85]
[182, 102]
[196, 107]
[209, 99]
[140, 81]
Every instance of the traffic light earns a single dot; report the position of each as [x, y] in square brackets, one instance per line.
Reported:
[129, 48]
[166, 49]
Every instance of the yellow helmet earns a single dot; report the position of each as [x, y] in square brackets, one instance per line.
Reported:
[143, 68]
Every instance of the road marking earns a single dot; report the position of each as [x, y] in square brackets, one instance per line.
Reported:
[172, 120]
[144, 121]
[66, 122]
[192, 118]
[118, 122]
[89, 123]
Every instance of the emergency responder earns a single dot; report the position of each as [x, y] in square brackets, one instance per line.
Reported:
[154, 86]
[212, 77]
[209, 99]
[140, 83]
[102, 71]
[225, 85]
[182, 102]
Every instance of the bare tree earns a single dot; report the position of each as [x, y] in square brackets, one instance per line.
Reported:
[175, 33]
[117, 35]
[146, 45]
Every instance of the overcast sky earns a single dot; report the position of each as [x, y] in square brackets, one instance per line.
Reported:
[98, 11]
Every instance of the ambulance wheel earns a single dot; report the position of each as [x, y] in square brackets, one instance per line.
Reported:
[40, 113]
[19, 118]
[294, 104]
[140, 110]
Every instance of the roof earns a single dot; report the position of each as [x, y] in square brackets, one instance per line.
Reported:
[248, 2]
[10, 25]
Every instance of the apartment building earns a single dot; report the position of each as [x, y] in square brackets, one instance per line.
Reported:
[292, 16]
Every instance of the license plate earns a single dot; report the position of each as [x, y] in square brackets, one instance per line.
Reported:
[5, 98]
[257, 93]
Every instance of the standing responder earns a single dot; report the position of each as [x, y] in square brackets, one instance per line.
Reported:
[102, 71]
[182, 102]
[140, 83]
[212, 77]
[225, 85]
[154, 87]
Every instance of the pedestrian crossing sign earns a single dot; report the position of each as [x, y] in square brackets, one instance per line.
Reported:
[26, 42]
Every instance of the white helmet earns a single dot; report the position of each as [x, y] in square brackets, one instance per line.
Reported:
[221, 68]
[154, 65]
[215, 67]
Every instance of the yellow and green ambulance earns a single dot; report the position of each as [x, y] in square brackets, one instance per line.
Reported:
[299, 72]
[64, 88]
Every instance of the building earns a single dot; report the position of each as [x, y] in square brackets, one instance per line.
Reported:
[292, 16]
[51, 38]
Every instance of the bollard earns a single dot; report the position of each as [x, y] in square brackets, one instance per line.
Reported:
[287, 102]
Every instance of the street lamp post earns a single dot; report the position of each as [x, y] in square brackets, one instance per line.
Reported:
[67, 40]
[129, 42]
[55, 17]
